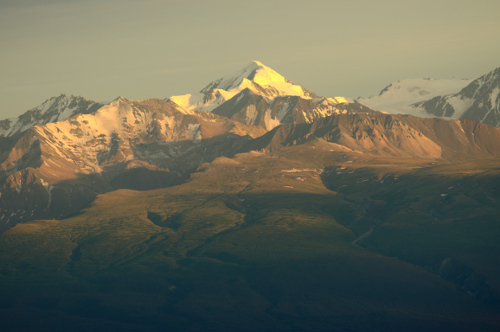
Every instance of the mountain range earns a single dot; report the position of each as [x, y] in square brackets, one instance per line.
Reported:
[254, 205]
[477, 100]
[57, 157]
[54, 169]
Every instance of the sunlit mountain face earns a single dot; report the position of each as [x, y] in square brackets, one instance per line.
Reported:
[254, 205]
[256, 77]
[258, 95]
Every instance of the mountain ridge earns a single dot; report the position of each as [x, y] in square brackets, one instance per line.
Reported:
[477, 99]
[54, 109]
[393, 135]
[398, 97]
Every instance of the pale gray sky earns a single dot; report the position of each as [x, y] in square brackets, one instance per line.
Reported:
[101, 49]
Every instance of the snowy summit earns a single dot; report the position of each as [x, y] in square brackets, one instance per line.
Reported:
[258, 73]
[256, 77]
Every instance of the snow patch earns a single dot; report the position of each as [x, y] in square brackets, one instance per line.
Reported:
[250, 114]
[49, 189]
[494, 102]
[293, 170]
[270, 122]
[460, 104]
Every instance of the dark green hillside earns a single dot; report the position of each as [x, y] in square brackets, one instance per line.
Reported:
[264, 241]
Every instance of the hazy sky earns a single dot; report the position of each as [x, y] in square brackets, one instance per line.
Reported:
[144, 49]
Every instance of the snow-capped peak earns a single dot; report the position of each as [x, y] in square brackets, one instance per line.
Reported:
[256, 72]
[52, 110]
[256, 77]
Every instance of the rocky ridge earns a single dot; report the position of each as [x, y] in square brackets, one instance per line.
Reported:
[477, 100]
[52, 110]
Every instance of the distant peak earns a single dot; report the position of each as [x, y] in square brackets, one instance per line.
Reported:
[120, 98]
[256, 72]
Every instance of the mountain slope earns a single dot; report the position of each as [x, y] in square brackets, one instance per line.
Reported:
[260, 239]
[392, 135]
[254, 109]
[56, 169]
[251, 231]
[398, 98]
[52, 110]
[478, 101]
